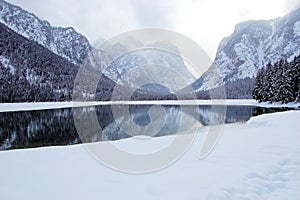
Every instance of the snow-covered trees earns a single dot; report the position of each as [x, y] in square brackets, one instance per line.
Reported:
[240, 89]
[30, 72]
[259, 84]
[278, 82]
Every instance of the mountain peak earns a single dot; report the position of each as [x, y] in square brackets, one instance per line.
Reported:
[251, 46]
[252, 24]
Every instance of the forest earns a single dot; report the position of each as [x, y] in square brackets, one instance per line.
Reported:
[278, 82]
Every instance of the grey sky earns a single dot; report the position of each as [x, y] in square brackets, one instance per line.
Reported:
[205, 21]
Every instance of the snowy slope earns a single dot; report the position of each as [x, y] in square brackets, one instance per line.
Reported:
[251, 46]
[256, 160]
[65, 42]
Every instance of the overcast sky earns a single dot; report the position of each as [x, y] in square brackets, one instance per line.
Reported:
[204, 21]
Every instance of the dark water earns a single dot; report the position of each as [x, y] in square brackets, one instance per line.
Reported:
[28, 129]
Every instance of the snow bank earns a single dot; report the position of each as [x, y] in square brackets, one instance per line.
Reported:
[7, 107]
[256, 160]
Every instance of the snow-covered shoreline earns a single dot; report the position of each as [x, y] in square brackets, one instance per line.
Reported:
[9, 107]
[256, 160]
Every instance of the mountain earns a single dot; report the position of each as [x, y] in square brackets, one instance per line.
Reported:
[65, 42]
[29, 72]
[39, 62]
[252, 45]
[148, 63]
[75, 48]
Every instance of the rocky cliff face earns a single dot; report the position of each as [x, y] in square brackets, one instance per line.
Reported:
[65, 42]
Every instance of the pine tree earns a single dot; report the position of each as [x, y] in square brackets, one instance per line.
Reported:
[278, 83]
[296, 77]
[286, 85]
[257, 91]
[267, 88]
[277, 80]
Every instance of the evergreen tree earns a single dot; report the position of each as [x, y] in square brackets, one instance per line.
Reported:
[266, 83]
[278, 83]
[257, 91]
[297, 81]
[285, 88]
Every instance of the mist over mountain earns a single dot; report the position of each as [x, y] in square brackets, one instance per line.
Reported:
[148, 61]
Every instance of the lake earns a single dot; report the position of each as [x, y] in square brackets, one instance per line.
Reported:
[29, 129]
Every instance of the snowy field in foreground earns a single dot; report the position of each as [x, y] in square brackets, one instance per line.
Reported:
[256, 160]
[5, 107]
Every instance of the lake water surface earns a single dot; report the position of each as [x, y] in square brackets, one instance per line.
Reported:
[28, 129]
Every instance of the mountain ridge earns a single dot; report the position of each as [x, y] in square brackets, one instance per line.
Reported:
[65, 42]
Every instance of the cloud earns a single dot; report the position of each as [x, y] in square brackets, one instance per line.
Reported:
[205, 21]
[244, 12]
[290, 4]
[102, 18]
[150, 13]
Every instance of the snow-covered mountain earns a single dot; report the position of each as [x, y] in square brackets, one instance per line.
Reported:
[73, 46]
[147, 64]
[251, 46]
[65, 42]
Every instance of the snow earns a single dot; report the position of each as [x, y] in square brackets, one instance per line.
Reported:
[261, 55]
[10, 107]
[256, 160]
[297, 28]
[6, 64]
